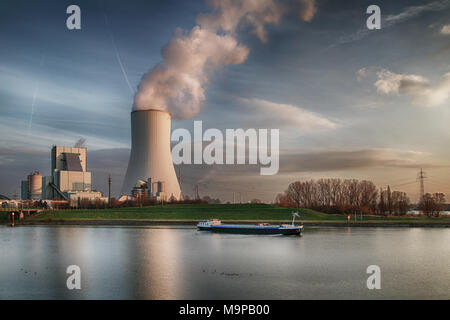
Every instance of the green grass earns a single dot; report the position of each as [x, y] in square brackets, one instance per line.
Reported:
[224, 212]
[179, 212]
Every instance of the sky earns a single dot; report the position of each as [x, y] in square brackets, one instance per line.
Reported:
[349, 102]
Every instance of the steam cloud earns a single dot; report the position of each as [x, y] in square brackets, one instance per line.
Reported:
[418, 87]
[178, 83]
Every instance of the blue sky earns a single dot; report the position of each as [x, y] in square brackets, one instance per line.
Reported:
[58, 85]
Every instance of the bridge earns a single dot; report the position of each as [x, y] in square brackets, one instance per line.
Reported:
[17, 212]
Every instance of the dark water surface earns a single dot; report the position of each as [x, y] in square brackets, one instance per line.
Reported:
[182, 263]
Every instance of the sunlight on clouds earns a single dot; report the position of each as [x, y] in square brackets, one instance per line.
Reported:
[289, 115]
[445, 30]
[422, 92]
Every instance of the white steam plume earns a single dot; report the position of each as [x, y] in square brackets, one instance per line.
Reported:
[178, 83]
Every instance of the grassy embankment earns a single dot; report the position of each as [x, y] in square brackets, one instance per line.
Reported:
[224, 212]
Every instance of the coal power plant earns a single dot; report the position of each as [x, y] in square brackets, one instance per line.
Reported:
[70, 179]
[150, 166]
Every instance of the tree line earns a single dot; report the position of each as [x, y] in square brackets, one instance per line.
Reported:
[433, 204]
[344, 196]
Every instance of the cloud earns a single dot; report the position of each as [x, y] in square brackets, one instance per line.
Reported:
[394, 19]
[352, 159]
[308, 9]
[42, 136]
[178, 83]
[390, 82]
[229, 14]
[362, 73]
[414, 11]
[279, 114]
[445, 30]
[418, 87]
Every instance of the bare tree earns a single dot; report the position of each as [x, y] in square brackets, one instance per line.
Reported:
[343, 196]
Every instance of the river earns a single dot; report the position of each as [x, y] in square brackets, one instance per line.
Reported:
[183, 263]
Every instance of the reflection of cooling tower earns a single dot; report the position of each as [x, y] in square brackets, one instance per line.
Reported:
[150, 152]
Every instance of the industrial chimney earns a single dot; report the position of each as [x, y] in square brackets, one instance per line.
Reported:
[150, 155]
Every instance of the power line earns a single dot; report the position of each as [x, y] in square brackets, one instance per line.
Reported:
[438, 184]
[403, 184]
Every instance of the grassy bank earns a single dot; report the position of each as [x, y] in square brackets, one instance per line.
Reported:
[224, 212]
[180, 212]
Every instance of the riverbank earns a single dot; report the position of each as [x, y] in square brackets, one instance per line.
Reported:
[193, 223]
[190, 214]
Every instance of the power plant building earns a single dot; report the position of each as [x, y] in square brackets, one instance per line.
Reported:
[69, 166]
[69, 181]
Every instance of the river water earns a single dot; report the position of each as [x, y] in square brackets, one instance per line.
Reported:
[183, 263]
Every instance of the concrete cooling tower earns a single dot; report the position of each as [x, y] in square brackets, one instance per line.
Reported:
[151, 157]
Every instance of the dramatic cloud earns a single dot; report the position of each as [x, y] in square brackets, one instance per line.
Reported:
[446, 30]
[229, 14]
[178, 83]
[278, 114]
[418, 87]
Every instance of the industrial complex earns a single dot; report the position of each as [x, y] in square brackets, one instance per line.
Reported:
[150, 173]
[69, 178]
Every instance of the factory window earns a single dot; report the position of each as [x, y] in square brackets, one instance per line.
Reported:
[80, 186]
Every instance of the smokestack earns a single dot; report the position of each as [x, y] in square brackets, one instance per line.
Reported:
[150, 155]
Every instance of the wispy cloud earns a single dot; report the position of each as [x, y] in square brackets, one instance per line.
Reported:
[394, 19]
[355, 159]
[12, 134]
[414, 11]
[279, 114]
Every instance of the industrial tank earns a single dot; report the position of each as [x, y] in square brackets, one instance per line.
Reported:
[35, 186]
[150, 155]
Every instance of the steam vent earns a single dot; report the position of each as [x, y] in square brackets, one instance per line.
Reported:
[150, 157]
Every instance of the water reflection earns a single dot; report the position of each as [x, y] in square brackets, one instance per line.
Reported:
[182, 263]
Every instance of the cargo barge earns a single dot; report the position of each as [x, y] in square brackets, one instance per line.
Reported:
[215, 225]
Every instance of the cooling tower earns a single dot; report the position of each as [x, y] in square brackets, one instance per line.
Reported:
[150, 155]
